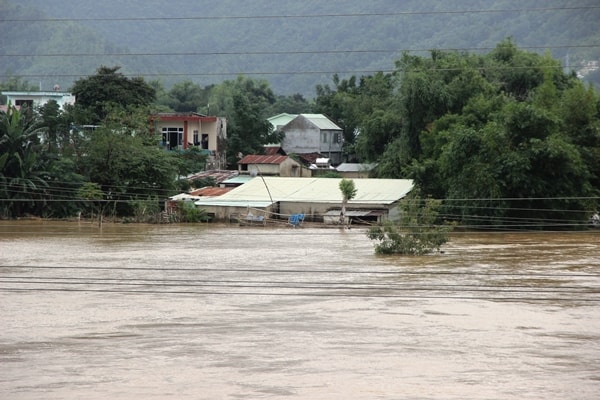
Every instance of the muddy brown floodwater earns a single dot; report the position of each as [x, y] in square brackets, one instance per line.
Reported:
[214, 312]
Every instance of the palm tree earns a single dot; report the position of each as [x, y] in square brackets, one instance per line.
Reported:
[20, 178]
[348, 193]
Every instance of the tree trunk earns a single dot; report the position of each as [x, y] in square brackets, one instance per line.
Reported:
[343, 212]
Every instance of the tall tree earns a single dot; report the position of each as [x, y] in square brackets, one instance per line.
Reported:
[187, 96]
[244, 102]
[487, 128]
[99, 93]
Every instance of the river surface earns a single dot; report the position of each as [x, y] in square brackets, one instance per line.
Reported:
[217, 312]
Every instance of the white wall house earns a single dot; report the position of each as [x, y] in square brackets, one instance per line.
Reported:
[38, 99]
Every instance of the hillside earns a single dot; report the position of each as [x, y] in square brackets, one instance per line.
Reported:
[294, 45]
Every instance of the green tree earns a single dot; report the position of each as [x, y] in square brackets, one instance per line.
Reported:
[190, 161]
[478, 130]
[63, 183]
[348, 190]
[97, 95]
[516, 72]
[294, 104]
[21, 179]
[579, 109]
[244, 102]
[93, 196]
[55, 126]
[473, 166]
[126, 163]
[187, 96]
[190, 213]
[339, 103]
[146, 210]
[365, 109]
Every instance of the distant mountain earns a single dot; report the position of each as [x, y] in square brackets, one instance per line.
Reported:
[295, 45]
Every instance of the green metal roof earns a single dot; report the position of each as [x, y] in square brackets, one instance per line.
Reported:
[316, 190]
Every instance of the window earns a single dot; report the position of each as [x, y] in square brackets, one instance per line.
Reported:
[172, 137]
[24, 103]
[196, 138]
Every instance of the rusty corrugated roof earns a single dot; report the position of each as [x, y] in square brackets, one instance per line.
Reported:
[309, 158]
[218, 175]
[274, 150]
[259, 159]
[210, 191]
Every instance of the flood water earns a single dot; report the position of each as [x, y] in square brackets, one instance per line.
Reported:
[216, 312]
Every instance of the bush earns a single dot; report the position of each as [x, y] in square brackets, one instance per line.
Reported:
[190, 213]
[417, 232]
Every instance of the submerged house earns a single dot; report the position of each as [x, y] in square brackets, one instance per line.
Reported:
[316, 198]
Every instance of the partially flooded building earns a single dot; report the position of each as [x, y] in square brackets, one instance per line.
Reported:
[315, 198]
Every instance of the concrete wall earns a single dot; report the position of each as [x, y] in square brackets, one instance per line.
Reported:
[302, 137]
[216, 130]
[301, 140]
[288, 168]
[226, 213]
[315, 211]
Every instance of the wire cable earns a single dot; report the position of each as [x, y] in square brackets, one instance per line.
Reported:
[305, 16]
[306, 294]
[286, 52]
[311, 271]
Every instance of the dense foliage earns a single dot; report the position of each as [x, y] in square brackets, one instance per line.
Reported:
[51, 166]
[21, 175]
[98, 94]
[245, 103]
[506, 138]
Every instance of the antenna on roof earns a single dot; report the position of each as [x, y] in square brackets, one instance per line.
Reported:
[257, 171]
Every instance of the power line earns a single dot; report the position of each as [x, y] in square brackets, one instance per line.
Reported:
[155, 284]
[305, 16]
[285, 52]
[312, 271]
[307, 294]
[267, 284]
[449, 200]
[295, 72]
